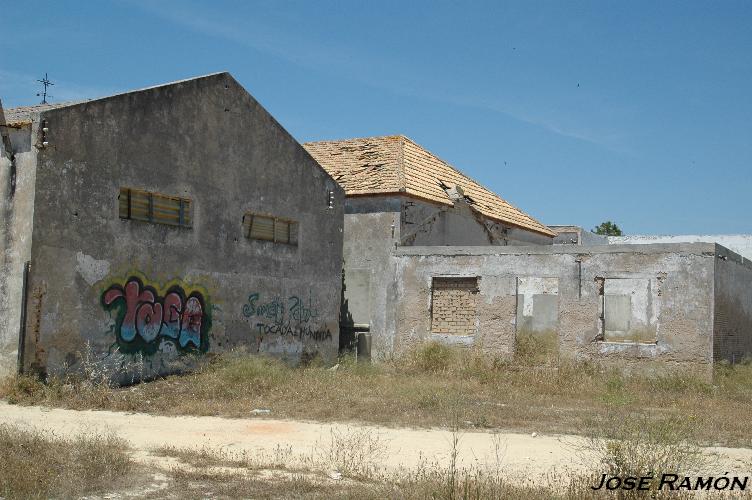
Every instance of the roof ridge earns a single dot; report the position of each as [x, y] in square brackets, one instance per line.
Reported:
[331, 141]
[45, 105]
[65, 104]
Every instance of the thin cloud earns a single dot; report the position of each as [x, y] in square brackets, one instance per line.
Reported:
[309, 54]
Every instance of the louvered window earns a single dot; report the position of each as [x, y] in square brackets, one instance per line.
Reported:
[154, 207]
[269, 228]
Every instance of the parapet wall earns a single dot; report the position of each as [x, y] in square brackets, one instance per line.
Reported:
[739, 243]
[624, 303]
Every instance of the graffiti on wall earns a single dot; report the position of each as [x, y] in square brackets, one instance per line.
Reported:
[294, 317]
[147, 322]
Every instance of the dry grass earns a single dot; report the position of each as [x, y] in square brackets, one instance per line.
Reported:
[41, 465]
[424, 388]
[643, 448]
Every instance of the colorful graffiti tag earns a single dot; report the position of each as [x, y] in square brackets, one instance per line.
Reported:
[145, 319]
[286, 318]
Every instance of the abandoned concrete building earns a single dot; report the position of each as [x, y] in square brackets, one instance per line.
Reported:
[142, 228]
[684, 305]
[399, 194]
[432, 255]
[176, 219]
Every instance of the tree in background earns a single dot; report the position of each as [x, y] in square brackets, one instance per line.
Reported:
[607, 228]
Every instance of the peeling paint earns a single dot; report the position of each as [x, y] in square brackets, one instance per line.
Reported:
[91, 269]
[675, 300]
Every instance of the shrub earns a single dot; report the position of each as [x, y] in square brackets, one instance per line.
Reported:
[432, 357]
[35, 464]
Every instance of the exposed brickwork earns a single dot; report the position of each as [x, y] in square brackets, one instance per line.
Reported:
[454, 306]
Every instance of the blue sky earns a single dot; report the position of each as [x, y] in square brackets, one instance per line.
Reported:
[576, 112]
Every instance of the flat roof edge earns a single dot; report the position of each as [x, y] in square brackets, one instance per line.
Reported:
[691, 248]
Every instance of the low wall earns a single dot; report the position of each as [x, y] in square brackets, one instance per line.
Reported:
[739, 243]
[629, 304]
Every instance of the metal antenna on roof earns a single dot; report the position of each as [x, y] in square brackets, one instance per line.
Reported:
[47, 83]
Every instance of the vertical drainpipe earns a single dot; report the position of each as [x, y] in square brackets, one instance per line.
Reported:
[578, 260]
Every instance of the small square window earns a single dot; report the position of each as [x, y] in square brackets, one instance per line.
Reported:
[626, 311]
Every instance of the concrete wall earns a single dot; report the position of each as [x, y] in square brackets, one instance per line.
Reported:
[99, 283]
[17, 178]
[372, 229]
[375, 225]
[539, 288]
[430, 224]
[739, 243]
[732, 330]
[576, 235]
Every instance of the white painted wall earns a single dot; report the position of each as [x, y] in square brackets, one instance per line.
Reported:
[739, 243]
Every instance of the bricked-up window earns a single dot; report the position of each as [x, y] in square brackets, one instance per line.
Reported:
[628, 310]
[270, 228]
[158, 208]
[454, 305]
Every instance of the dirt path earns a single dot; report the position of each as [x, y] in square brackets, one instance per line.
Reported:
[520, 454]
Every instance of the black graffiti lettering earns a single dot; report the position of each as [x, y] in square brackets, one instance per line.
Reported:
[297, 331]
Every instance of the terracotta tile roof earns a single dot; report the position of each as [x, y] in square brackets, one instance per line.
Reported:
[396, 164]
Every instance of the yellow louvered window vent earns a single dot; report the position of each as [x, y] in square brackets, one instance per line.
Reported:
[157, 208]
[270, 228]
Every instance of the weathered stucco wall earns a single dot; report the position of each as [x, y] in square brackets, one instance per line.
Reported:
[732, 331]
[430, 224]
[562, 288]
[372, 228]
[129, 291]
[17, 178]
[576, 235]
[375, 225]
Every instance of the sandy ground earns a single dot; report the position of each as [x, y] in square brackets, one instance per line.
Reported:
[521, 455]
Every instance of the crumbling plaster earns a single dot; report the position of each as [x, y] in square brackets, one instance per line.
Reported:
[685, 274]
[207, 140]
[17, 180]
[376, 225]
